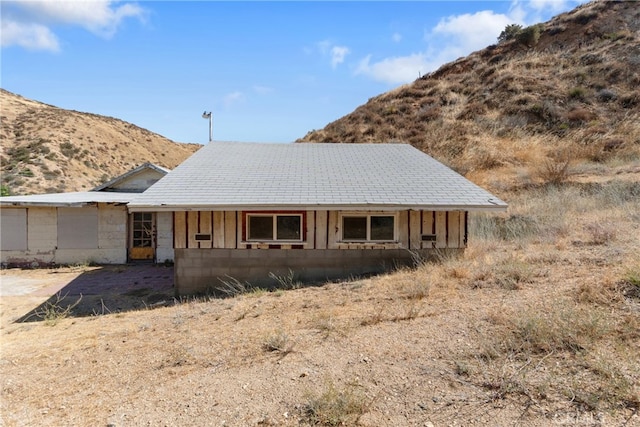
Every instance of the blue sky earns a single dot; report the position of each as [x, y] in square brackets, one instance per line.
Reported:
[269, 71]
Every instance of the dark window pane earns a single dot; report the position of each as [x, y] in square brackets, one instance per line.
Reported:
[381, 228]
[288, 227]
[354, 228]
[260, 228]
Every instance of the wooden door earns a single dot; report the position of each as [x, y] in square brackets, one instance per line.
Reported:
[143, 236]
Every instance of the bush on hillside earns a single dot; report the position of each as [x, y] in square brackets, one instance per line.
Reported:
[509, 33]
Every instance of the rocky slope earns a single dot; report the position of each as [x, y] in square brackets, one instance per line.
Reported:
[46, 149]
[568, 89]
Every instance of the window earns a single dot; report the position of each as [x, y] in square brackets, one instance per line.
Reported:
[142, 229]
[13, 229]
[272, 227]
[78, 228]
[368, 228]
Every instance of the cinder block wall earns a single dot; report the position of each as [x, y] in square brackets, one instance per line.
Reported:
[204, 270]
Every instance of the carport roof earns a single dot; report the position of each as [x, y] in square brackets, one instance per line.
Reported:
[74, 199]
[254, 176]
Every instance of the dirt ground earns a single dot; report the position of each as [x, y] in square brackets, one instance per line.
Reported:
[28, 295]
[403, 345]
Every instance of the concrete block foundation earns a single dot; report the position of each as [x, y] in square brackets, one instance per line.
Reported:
[204, 270]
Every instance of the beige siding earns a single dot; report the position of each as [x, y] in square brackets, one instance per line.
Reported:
[192, 229]
[453, 229]
[321, 230]
[310, 232]
[205, 228]
[180, 230]
[230, 231]
[137, 182]
[333, 233]
[441, 229]
[403, 229]
[415, 229]
[164, 239]
[218, 229]
[428, 227]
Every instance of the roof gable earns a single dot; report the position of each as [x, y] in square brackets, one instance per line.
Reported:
[233, 176]
[136, 180]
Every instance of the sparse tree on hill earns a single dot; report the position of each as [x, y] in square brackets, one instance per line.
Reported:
[510, 32]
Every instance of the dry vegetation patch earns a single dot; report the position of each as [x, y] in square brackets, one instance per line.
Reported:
[536, 324]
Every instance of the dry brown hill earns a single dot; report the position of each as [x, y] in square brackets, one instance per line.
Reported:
[565, 89]
[46, 149]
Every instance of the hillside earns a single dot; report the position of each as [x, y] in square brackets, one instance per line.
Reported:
[46, 149]
[573, 93]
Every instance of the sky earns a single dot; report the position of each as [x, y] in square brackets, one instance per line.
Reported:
[267, 71]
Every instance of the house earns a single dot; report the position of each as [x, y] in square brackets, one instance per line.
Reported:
[80, 227]
[252, 212]
[248, 211]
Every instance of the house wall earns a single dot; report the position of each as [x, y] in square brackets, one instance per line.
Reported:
[164, 237]
[137, 182]
[202, 265]
[448, 228]
[43, 226]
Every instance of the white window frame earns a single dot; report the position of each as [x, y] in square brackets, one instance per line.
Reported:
[274, 231]
[368, 215]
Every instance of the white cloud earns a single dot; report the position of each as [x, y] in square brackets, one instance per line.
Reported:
[469, 32]
[30, 22]
[337, 55]
[393, 70]
[28, 36]
[233, 98]
[457, 36]
[263, 90]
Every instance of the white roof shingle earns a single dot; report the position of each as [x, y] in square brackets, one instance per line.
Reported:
[234, 176]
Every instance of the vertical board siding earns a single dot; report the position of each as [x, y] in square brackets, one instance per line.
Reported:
[192, 229]
[218, 230]
[428, 227]
[415, 227]
[333, 232]
[403, 228]
[310, 231]
[205, 228]
[441, 229]
[453, 229]
[240, 231]
[180, 230]
[321, 226]
[230, 233]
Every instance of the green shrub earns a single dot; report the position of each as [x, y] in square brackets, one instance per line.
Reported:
[529, 36]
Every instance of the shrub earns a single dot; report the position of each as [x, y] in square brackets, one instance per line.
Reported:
[278, 342]
[334, 407]
[510, 32]
[529, 36]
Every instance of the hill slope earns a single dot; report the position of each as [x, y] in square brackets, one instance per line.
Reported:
[572, 93]
[46, 149]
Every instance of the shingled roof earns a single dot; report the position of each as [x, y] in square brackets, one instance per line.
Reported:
[246, 176]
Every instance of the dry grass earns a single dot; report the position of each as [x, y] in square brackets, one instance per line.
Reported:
[49, 149]
[536, 322]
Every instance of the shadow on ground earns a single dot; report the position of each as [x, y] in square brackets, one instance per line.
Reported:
[109, 289]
